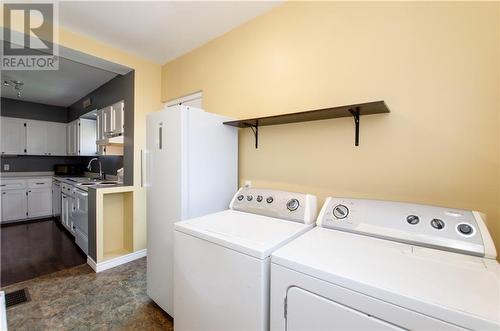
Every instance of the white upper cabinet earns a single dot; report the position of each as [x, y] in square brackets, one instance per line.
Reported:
[56, 138]
[112, 118]
[13, 135]
[36, 141]
[72, 145]
[45, 138]
[87, 136]
[100, 125]
[117, 118]
[82, 137]
[107, 127]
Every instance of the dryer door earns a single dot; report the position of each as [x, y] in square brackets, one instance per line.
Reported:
[307, 311]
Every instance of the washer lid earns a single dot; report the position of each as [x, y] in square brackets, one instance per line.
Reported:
[456, 288]
[247, 233]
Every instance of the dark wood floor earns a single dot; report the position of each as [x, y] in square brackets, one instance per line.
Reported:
[37, 248]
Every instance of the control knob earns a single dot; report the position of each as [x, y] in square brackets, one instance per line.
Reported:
[437, 224]
[292, 204]
[249, 197]
[259, 198]
[465, 229]
[240, 197]
[269, 199]
[412, 219]
[340, 211]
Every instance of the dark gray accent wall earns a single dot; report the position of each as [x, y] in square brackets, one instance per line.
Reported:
[119, 88]
[33, 163]
[110, 164]
[32, 110]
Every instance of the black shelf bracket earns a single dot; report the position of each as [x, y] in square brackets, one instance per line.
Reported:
[255, 129]
[354, 110]
[355, 114]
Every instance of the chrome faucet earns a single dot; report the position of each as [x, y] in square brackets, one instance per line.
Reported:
[89, 166]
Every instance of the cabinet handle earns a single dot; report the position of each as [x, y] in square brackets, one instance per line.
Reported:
[4, 192]
[3, 185]
[40, 183]
[113, 120]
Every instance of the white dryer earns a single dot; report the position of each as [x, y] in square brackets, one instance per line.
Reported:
[222, 260]
[378, 265]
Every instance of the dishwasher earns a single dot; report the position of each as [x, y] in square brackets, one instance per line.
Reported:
[81, 219]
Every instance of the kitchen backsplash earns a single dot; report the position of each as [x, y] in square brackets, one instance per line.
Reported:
[29, 163]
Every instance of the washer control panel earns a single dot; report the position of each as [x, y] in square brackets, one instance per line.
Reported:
[449, 229]
[298, 207]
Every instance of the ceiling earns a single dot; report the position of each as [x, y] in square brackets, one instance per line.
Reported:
[158, 30]
[61, 87]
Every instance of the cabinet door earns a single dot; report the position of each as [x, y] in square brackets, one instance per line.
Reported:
[117, 118]
[107, 121]
[76, 132]
[36, 141]
[87, 137]
[99, 126]
[13, 205]
[56, 138]
[56, 199]
[72, 211]
[39, 202]
[65, 210]
[69, 141]
[73, 138]
[13, 135]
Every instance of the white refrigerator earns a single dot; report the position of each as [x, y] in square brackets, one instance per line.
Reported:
[190, 168]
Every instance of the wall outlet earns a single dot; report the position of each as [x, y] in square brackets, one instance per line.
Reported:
[6, 167]
[248, 183]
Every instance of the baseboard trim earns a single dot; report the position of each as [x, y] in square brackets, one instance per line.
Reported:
[101, 266]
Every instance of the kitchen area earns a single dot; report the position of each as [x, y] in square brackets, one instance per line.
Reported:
[65, 145]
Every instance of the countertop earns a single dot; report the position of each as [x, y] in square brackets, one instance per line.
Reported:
[67, 180]
[26, 174]
[71, 181]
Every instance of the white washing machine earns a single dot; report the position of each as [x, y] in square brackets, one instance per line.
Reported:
[377, 265]
[222, 260]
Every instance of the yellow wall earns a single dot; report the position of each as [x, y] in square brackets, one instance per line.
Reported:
[435, 64]
[146, 99]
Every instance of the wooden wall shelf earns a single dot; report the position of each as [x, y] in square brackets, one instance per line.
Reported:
[356, 110]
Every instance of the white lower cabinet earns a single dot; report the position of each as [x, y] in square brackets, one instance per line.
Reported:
[25, 198]
[65, 211]
[14, 204]
[39, 202]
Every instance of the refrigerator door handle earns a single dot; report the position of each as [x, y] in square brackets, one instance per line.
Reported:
[160, 137]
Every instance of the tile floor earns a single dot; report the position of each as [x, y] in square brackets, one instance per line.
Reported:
[79, 299]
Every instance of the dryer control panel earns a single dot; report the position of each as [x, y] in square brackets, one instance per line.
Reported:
[455, 230]
[298, 207]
